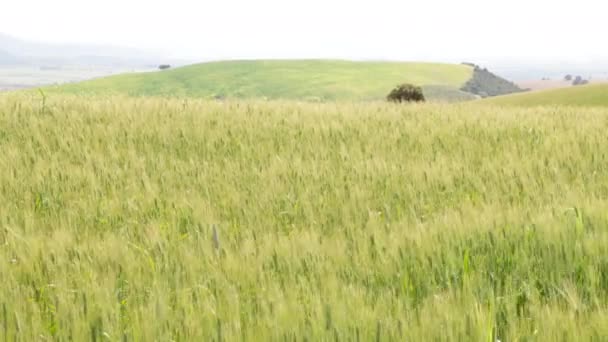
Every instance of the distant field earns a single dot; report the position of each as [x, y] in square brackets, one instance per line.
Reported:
[552, 84]
[302, 80]
[544, 84]
[589, 95]
[22, 77]
[335, 221]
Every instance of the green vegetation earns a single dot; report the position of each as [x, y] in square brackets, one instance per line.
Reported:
[406, 93]
[587, 95]
[446, 94]
[300, 80]
[485, 84]
[364, 222]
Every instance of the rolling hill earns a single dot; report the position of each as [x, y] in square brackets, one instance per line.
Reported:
[589, 95]
[294, 79]
[6, 58]
[22, 52]
[486, 84]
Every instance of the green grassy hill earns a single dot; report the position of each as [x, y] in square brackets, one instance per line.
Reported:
[302, 79]
[590, 95]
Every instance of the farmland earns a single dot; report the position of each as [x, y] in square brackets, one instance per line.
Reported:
[149, 218]
[593, 95]
[310, 80]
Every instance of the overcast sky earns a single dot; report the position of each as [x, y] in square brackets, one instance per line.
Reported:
[445, 30]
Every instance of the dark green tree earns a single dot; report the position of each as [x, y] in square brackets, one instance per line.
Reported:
[406, 93]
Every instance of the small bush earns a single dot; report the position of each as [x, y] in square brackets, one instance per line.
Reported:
[164, 66]
[406, 93]
[579, 81]
[568, 78]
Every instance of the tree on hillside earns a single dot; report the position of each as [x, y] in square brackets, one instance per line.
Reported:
[406, 93]
[568, 78]
[164, 66]
[579, 81]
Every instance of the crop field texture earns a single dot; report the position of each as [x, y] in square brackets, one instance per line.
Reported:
[592, 95]
[140, 219]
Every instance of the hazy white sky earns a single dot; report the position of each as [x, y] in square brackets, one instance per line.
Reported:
[379, 29]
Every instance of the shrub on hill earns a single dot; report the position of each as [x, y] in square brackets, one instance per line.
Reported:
[568, 78]
[406, 93]
[485, 84]
[164, 66]
[579, 81]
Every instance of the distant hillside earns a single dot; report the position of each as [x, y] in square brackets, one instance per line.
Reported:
[485, 84]
[24, 52]
[589, 95]
[6, 58]
[292, 79]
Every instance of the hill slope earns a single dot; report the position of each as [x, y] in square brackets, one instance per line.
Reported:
[31, 53]
[6, 58]
[590, 95]
[303, 79]
[485, 84]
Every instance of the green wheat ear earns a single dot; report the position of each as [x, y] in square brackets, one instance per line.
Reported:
[216, 239]
[491, 331]
[579, 223]
[43, 103]
[466, 262]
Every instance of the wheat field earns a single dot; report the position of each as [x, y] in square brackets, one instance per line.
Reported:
[141, 219]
